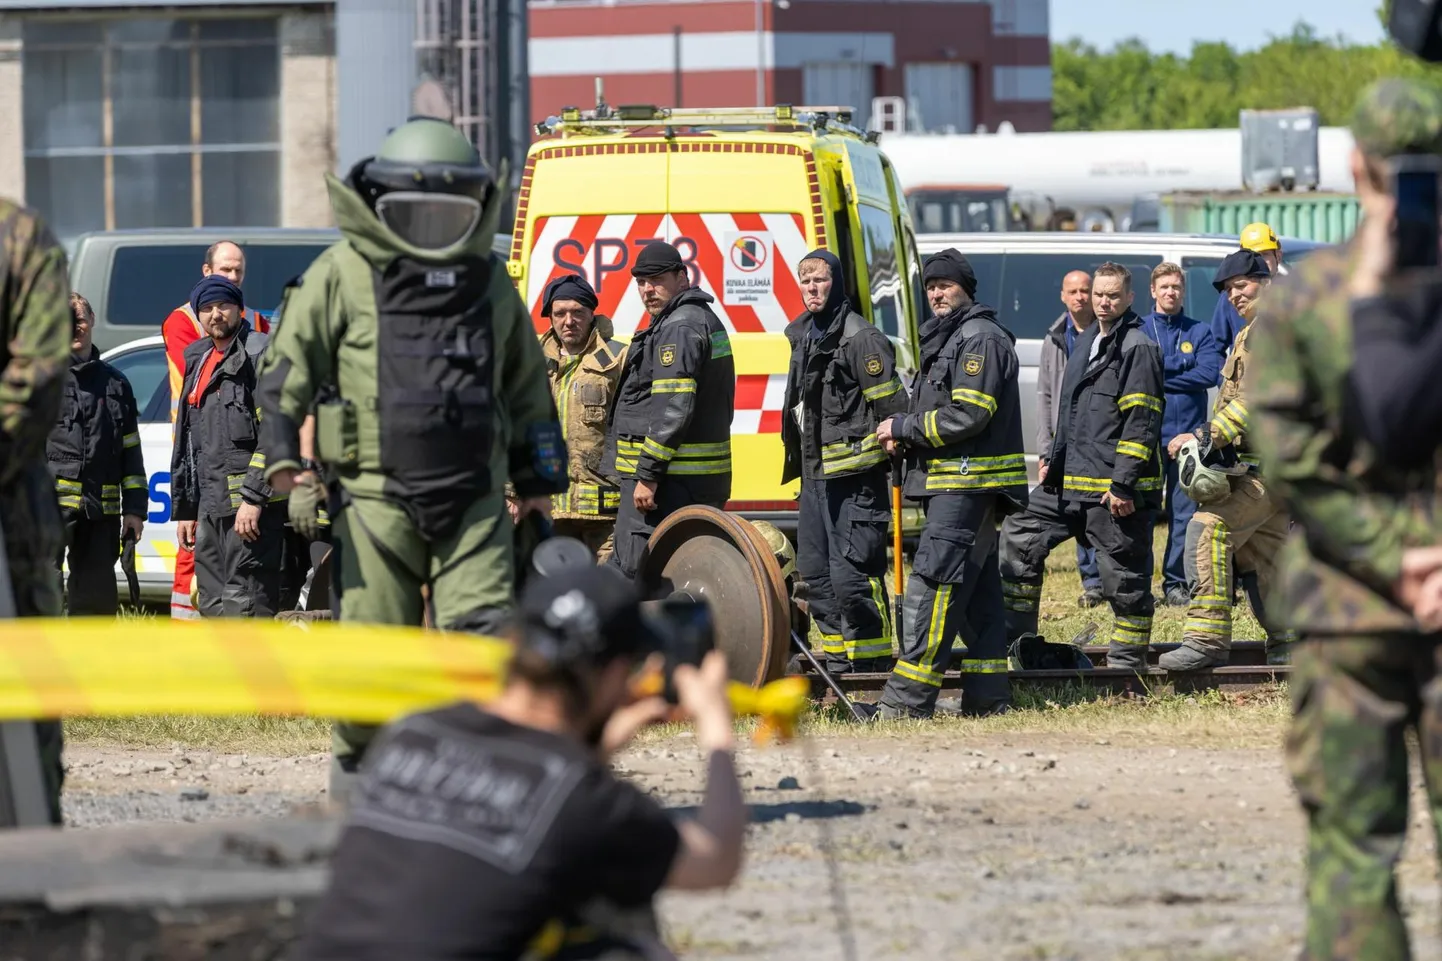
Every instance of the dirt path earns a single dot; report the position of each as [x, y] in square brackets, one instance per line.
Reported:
[997, 846]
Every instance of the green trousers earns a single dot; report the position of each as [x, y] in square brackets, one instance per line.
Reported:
[382, 561]
[34, 537]
[1353, 700]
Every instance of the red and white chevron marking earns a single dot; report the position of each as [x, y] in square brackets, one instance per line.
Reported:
[759, 402]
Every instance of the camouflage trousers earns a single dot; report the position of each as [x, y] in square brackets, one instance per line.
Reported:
[1353, 700]
[34, 537]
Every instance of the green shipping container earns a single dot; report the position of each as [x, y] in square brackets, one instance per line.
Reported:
[1326, 218]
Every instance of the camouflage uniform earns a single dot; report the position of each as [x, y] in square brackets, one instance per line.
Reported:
[35, 327]
[1363, 672]
[584, 388]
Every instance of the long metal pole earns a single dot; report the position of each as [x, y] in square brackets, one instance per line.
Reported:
[760, 57]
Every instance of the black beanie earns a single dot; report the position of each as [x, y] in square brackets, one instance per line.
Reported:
[950, 265]
[656, 258]
[569, 287]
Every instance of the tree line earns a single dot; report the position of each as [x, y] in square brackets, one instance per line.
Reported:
[1131, 88]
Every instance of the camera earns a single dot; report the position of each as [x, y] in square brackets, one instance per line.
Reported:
[687, 632]
[1415, 179]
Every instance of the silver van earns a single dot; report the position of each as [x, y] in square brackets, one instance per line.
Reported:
[1020, 275]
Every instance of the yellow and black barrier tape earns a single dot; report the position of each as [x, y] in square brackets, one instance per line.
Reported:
[368, 673]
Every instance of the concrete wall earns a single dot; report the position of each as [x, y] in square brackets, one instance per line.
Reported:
[12, 120]
[308, 110]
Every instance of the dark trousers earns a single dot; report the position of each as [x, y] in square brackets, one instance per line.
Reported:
[238, 578]
[841, 532]
[93, 546]
[1086, 565]
[1180, 509]
[634, 529]
[954, 589]
[1123, 546]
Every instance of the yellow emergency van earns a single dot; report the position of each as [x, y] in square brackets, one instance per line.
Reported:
[744, 194]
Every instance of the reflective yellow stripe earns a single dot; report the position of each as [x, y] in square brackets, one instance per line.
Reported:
[720, 344]
[928, 427]
[882, 391]
[1231, 421]
[134, 482]
[658, 451]
[846, 457]
[1131, 630]
[954, 482]
[1100, 485]
[234, 481]
[983, 666]
[131, 440]
[1131, 448]
[675, 385]
[1129, 401]
[257, 460]
[962, 395]
[936, 630]
[833, 644]
[589, 499]
[920, 675]
[65, 486]
[69, 501]
[721, 466]
[1023, 598]
[976, 465]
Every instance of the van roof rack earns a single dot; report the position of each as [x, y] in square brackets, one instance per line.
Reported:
[605, 117]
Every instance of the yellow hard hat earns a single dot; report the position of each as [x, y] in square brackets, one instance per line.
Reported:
[1259, 237]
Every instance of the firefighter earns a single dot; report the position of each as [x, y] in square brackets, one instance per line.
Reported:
[967, 466]
[440, 396]
[584, 365]
[1226, 321]
[1104, 475]
[841, 385]
[1237, 523]
[180, 329]
[94, 453]
[227, 515]
[669, 442]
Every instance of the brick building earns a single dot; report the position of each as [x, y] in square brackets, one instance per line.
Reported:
[957, 64]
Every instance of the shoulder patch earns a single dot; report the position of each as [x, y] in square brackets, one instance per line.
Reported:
[871, 363]
[667, 355]
[971, 364]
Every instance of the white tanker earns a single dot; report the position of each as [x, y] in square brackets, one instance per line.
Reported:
[1098, 175]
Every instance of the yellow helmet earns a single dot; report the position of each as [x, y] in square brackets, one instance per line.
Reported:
[1259, 237]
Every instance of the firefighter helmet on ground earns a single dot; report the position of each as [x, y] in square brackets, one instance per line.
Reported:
[780, 547]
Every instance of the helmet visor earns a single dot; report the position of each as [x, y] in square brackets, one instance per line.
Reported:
[429, 221]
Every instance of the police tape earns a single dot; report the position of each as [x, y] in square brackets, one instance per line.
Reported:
[368, 673]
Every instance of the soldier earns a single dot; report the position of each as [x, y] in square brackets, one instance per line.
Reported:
[1364, 671]
[841, 385]
[1241, 523]
[967, 465]
[94, 453]
[1104, 474]
[584, 365]
[439, 399]
[669, 441]
[227, 515]
[35, 337]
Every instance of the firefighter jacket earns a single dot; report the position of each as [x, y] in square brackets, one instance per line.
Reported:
[963, 429]
[1228, 426]
[440, 383]
[584, 387]
[841, 386]
[674, 405]
[94, 448]
[1109, 428]
[217, 462]
[179, 330]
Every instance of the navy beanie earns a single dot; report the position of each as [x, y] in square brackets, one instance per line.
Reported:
[828, 258]
[950, 265]
[215, 289]
[569, 287]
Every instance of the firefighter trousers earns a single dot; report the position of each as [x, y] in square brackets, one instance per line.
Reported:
[92, 546]
[1124, 558]
[598, 535]
[634, 529]
[239, 578]
[381, 560]
[954, 589]
[1243, 531]
[841, 532]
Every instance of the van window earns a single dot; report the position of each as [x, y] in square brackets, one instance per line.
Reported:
[1202, 297]
[879, 248]
[1029, 299]
[149, 378]
[147, 282]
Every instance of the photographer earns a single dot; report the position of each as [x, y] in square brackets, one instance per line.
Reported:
[498, 831]
[1365, 670]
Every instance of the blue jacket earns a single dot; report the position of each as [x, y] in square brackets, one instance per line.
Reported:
[1226, 325]
[1191, 366]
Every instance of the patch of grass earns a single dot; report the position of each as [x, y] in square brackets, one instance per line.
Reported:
[249, 733]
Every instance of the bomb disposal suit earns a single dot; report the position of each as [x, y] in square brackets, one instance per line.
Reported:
[842, 384]
[440, 393]
[966, 464]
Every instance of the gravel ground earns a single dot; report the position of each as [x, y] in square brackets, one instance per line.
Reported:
[995, 846]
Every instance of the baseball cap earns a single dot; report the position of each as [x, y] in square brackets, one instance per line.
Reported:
[591, 613]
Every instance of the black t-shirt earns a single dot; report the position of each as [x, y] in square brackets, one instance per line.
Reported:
[467, 835]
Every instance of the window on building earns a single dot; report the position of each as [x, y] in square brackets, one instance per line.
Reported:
[152, 122]
[939, 97]
[878, 236]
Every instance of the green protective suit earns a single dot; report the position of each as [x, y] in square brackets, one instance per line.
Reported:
[441, 397]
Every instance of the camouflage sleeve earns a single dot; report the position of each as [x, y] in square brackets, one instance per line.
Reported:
[35, 325]
[536, 449]
[1347, 526]
[298, 361]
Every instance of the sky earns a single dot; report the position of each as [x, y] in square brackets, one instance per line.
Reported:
[1158, 23]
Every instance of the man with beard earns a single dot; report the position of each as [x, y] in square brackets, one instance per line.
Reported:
[841, 384]
[669, 443]
[1104, 474]
[225, 511]
[967, 466]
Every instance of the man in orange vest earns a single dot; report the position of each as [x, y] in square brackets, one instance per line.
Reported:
[180, 330]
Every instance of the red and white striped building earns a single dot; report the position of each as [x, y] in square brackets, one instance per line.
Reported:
[957, 64]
